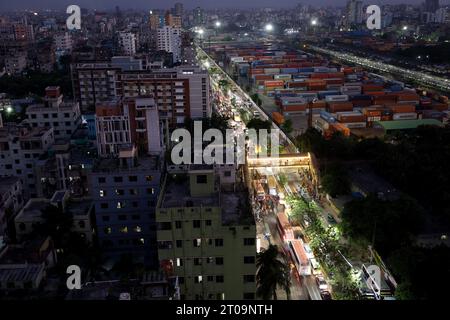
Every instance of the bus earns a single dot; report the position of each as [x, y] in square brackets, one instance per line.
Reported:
[284, 227]
[259, 190]
[272, 184]
[299, 257]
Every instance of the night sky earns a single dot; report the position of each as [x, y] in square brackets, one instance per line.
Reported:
[148, 4]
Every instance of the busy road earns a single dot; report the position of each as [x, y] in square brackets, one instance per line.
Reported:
[293, 179]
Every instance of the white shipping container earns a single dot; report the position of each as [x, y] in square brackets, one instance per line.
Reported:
[404, 116]
[237, 59]
[272, 70]
[282, 77]
[333, 98]
[354, 125]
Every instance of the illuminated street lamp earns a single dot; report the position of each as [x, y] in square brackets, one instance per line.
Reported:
[269, 27]
[405, 28]
[218, 24]
[201, 31]
[314, 22]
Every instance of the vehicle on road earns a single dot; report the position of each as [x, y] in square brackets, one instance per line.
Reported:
[299, 257]
[321, 283]
[331, 219]
[284, 227]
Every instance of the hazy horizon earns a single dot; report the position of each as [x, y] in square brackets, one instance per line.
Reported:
[188, 4]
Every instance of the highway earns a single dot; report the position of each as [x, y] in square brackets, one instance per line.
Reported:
[416, 76]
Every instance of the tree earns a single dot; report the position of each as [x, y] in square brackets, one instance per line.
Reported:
[258, 124]
[335, 180]
[256, 99]
[287, 126]
[272, 272]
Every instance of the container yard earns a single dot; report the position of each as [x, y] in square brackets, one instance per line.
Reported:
[340, 97]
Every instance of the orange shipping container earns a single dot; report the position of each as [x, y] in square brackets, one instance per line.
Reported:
[375, 93]
[263, 77]
[277, 118]
[352, 118]
[371, 87]
[340, 106]
[294, 107]
[273, 83]
[320, 104]
[408, 97]
[440, 106]
[402, 108]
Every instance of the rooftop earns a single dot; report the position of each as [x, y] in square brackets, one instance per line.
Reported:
[407, 124]
[177, 194]
[111, 165]
[6, 183]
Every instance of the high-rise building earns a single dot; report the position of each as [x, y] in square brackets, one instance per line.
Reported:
[127, 43]
[206, 236]
[173, 20]
[125, 191]
[134, 121]
[431, 5]
[199, 16]
[169, 40]
[63, 117]
[178, 9]
[354, 12]
[179, 92]
[63, 42]
[156, 21]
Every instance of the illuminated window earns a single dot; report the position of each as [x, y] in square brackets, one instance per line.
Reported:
[149, 178]
[107, 230]
[137, 229]
[124, 230]
[120, 205]
[179, 262]
[102, 193]
[197, 242]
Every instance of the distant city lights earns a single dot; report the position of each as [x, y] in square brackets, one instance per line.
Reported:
[269, 27]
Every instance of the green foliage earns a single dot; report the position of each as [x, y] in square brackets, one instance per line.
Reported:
[258, 124]
[409, 265]
[35, 83]
[390, 224]
[287, 126]
[335, 180]
[256, 99]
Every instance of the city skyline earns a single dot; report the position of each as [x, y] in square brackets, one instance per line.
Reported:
[190, 4]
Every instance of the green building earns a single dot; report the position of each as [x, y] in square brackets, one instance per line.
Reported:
[207, 236]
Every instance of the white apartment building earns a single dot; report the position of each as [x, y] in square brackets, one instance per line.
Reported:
[20, 150]
[169, 39]
[128, 43]
[63, 42]
[63, 117]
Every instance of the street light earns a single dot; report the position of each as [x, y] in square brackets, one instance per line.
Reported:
[201, 31]
[269, 27]
[405, 28]
[314, 22]
[218, 24]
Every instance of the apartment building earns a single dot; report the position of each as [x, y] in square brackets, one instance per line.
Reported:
[81, 210]
[172, 20]
[128, 121]
[169, 40]
[63, 42]
[179, 92]
[16, 62]
[63, 117]
[21, 147]
[125, 190]
[127, 43]
[11, 202]
[207, 236]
